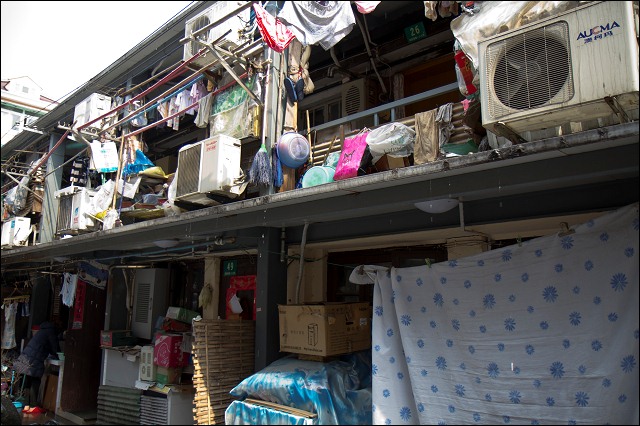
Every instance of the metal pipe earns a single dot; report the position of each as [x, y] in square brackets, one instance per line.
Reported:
[182, 111]
[178, 71]
[48, 154]
[301, 266]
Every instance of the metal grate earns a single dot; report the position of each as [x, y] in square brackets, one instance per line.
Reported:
[143, 294]
[529, 70]
[353, 99]
[198, 23]
[64, 213]
[154, 410]
[118, 406]
[189, 170]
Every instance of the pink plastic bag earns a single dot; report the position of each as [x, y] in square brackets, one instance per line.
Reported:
[351, 156]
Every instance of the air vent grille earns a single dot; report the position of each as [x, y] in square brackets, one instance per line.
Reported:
[189, 170]
[530, 70]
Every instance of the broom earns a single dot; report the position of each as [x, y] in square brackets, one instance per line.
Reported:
[260, 171]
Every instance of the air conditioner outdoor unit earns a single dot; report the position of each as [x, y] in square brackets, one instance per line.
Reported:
[358, 95]
[94, 106]
[74, 205]
[150, 300]
[560, 70]
[16, 231]
[233, 39]
[211, 166]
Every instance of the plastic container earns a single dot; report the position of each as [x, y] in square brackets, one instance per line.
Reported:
[317, 175]
[293, 149]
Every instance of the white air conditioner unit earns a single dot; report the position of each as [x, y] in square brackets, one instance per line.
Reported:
[150, 300]
[74, 205]
[234, 38]
[359, 95]
[211, 166]
[560, 70]
[16, 231]
[94, 106]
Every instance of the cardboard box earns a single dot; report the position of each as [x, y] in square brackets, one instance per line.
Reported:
[387, 162]
[112, 338]
[50, 392]
[169, 375]
[167, 351]
[181, 314]
[325, 329]
[168, 164]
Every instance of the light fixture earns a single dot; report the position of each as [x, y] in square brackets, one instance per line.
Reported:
[437, 206]
[166, 243]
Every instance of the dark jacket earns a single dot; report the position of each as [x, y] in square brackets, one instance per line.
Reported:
[41, 345]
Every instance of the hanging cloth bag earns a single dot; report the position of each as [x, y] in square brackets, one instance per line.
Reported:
[354, 157]
[274, 33]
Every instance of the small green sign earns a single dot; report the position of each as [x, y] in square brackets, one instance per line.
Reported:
[230, 267]
[415, 32]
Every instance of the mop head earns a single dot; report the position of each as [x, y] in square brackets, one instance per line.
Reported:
[260, 171]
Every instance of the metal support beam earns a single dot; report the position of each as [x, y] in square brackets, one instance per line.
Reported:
[271, 291]
[52, 183]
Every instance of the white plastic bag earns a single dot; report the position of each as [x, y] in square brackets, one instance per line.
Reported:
[394, 139]
[104, 157]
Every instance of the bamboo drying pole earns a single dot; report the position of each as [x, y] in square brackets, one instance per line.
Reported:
[309, 138]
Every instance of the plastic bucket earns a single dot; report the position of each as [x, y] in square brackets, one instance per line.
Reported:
[317, 175]
[293, 149]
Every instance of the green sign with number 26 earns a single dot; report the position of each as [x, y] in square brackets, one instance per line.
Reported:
[415, 32]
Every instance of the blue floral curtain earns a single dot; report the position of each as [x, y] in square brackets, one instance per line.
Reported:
[545, 332]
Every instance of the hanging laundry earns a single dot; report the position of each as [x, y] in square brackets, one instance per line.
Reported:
[174, 123]
[68, 291]
[9, 333]
[443, 118]
[448, 8]
[25, 308]
[430, 10]
[204, 111]
[366, 6]
[140, 119]
[427, 144]
[197, 92]
[273, 31]
[323, 23]
[163, 110]
[183, 100]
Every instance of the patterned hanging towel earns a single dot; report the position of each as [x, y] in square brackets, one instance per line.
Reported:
[9, 333]
[68, 291]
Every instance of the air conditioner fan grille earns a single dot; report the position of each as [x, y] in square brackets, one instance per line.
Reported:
[530, 70]
[353, 100]
[188, 170]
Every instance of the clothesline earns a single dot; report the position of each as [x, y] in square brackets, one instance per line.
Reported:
[155, 105]
[181, 69]
[11, 299]
[182, 111]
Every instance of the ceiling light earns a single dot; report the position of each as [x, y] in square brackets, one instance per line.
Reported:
[437, 206]
[166, 243]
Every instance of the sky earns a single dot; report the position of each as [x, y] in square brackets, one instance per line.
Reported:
[61, 45]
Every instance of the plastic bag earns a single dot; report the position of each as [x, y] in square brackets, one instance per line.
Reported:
[354, 157]
[465, 72]
[394, 139]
